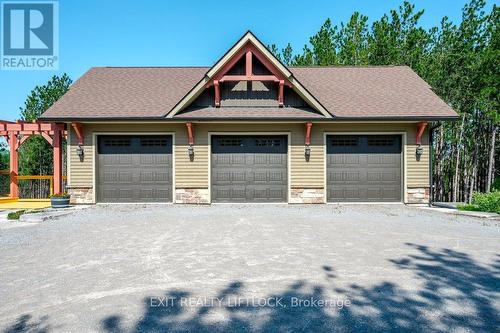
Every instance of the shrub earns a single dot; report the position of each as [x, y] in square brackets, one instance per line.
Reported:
[484, 202]
[496, 185]
[15, 215]
[487, 202]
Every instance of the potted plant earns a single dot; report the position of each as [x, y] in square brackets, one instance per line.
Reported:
[60, 200]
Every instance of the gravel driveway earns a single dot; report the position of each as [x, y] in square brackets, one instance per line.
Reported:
[230, 268]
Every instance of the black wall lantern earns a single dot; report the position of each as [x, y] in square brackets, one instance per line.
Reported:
[419, 152]
[191, 152]
[80, 152]
[307, 153]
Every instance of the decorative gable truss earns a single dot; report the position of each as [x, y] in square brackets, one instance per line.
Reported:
[251, 50]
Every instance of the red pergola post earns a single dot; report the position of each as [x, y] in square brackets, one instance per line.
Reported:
[57, 154]
[14, 165]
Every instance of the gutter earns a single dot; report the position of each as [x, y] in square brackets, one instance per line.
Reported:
[261, 119]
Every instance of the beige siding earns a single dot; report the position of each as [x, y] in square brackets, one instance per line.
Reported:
[80, 172]
[195, 174]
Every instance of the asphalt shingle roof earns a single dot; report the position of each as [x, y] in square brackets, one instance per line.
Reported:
[151, 92]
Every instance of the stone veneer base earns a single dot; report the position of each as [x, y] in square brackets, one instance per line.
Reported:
[417, 195]
[191, 196]
[81, 194]
[307, 196]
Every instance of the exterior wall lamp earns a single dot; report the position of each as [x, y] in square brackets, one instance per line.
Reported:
[307, 150]
[190, 133]
[307, 153]
[80, 152]
[420, 131]
[419, 152]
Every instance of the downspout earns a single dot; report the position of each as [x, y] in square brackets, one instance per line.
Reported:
[431, 162]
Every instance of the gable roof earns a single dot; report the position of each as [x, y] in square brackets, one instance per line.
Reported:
[160, 93]
[248, 37]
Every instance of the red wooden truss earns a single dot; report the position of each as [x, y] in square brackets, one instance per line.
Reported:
[420, 131]
[308, 134]
[16, 133]
[249, 51]
[190, 132]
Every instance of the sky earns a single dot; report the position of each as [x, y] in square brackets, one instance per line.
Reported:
[187, 33]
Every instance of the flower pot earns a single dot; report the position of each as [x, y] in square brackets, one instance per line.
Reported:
[59, 202]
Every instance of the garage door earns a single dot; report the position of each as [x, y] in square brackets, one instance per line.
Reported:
[363, 168]
[249, 168]
[134, 168]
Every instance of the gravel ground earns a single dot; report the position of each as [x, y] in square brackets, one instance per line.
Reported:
[270, 268]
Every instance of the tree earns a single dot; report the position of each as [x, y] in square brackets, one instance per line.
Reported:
[324, 45]
[285, 55]
[397, 40]
[353, 41]
[459, 61]
[35, 155]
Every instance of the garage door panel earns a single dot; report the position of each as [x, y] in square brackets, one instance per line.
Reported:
[134, 168]
[384, 176]
[364, 167]
[249, 168]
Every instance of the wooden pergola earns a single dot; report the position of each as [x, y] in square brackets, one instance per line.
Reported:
[16, 133]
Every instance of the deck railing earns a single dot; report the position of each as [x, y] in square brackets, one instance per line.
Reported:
[30, 187]
[4, 183]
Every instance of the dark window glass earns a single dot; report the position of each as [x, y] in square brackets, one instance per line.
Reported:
[157, 142]
[267, 142]
[381, 141]
[230, 142]
[343, 141]
[117, 142]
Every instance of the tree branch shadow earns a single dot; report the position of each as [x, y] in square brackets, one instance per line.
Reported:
[453, 292]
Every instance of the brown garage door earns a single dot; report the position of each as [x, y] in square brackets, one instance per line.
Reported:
[363, 168]
[134, 168]
[249, 168]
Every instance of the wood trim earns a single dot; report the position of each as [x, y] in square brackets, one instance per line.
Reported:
[420, 131]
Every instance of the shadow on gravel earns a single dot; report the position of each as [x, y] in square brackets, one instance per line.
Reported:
[26, 323]
[456, 294]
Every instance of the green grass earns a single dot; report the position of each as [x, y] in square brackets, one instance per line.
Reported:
[469, 207]
[15, 215]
